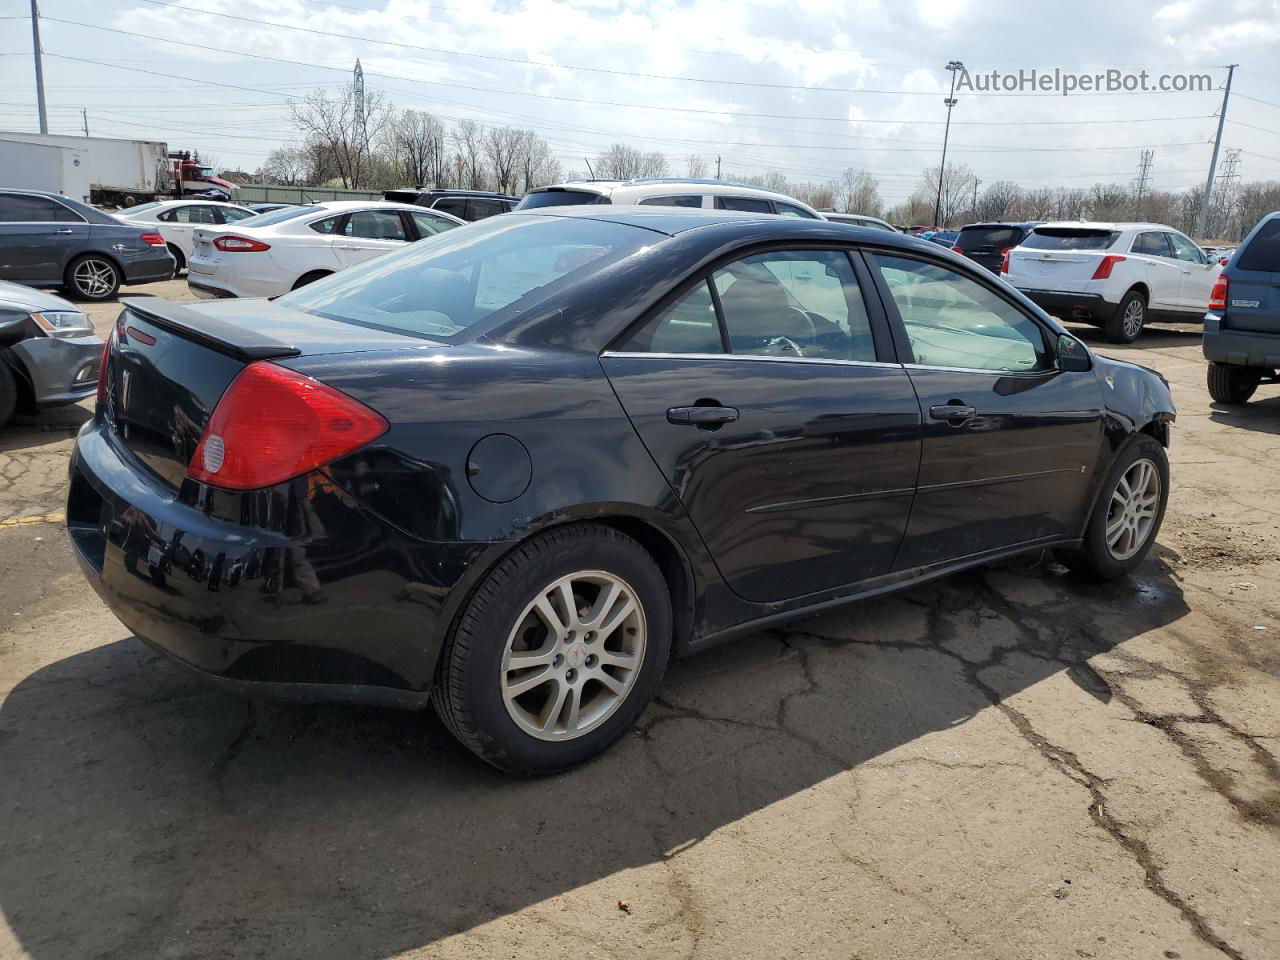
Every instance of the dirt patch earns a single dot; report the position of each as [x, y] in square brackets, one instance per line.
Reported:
[1209, 543]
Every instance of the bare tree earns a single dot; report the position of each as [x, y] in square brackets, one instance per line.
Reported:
[623, 162]
[539, 167]
[345, 130]
[287, 166]
[957, 191]
[1108, 201]
[416, 141]
[468, 144]
[695, 166]
[998, 200]
[858, 192]
[503, 147]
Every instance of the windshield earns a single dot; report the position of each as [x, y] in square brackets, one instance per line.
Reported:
[441, 286]
[559, 198]
[276, 216]
[1070, 238]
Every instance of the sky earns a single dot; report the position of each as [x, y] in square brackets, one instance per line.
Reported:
[803, 88]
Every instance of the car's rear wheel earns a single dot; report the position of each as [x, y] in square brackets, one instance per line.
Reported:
[1229, 383]
[1128, 512]
[557, 652]
[180, 262]
[92, 277]
[311, 277]
[8, 392]
[1127, 322]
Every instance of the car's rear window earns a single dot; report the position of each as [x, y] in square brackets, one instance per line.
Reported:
[138, 208]
[559, 198]
[1263, 251]
[275, 216]
[977, 238]
[1070, 238]
[441, 286]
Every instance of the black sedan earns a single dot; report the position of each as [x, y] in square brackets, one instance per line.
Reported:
[47, 240]
[513, 468]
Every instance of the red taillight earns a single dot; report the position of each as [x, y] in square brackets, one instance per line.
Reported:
[1106, 265]
[102, 372]
[153, 239]
[273, 424]
[1004, 264]
[1218, 295]
[240, 245]
[959, 250]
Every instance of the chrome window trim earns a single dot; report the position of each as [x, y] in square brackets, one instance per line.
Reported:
[637, 354]
[994, 373]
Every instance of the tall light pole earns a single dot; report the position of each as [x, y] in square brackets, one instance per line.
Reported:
[1203, 219]
[953, 66]
[35, 45]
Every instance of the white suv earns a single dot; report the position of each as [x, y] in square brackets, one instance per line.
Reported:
[1116, 275]
[667, 192]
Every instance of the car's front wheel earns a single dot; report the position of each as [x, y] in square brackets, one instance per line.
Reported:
[557, 652]
[1128, 512]
[1229, 383]
[92, 277]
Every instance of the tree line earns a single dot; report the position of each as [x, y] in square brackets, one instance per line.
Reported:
[368, 144]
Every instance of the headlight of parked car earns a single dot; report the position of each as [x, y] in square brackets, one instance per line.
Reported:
[63, 323]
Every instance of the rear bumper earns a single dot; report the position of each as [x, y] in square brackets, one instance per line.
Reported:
[206, 291]
[60, 371]
[149, 267]
[356, 615]
[1241, 348]
[1065, 305]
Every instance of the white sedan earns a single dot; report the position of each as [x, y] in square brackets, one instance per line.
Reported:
[176, 220]
[280, 251]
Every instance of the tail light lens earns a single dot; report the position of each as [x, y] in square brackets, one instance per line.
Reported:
[102, 372]
[274, 424]
[234, 244]
[1218, 296]
[957, 250]
[152, 239]
[1106, 265]
[1004, 263]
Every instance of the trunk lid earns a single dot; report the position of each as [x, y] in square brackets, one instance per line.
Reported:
[169, 364]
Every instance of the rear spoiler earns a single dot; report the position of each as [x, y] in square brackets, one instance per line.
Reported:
[229, 338]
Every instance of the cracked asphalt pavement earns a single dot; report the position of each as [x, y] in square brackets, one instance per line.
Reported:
[1010, 763]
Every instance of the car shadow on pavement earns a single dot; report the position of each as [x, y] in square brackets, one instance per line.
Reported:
[1261, 414]
[147, 814]
[26, 431]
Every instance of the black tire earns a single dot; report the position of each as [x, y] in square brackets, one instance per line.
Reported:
[1121, 330]
[1229, 383]
[311, 277]
[1094, 557]
[8, 392]
[128, 200]
[467, 693]
[180, 262]
[81, 288]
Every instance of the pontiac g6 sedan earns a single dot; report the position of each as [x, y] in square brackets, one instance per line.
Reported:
[513, 468]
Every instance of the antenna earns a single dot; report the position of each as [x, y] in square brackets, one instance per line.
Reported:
[590, 172]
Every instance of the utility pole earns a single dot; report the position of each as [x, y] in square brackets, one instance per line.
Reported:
[953, 66]
[35, 46]
[717, 167]
[1142, 181]
[1213, 160]
[976, 182]
[84, 113]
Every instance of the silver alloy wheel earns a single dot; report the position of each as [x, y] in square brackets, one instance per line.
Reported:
[1133, 317]
[573, 656]
[1131, 515]
[94, 278]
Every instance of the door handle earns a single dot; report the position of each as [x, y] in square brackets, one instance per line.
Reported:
[349, 247]
[953, 412]
[701, 416]
[64, 230]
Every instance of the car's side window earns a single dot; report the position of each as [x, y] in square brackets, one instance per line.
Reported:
[795, 303]
[166, 216]
[195, 214]
[16, 208]
[375, 225]
[686, 200]
[954, 321]
[791, 210]
[232, 214]
[454, 205]
[749, 204]
[689, 325]
[428, 225]
[1184, 249]
[327, 225]
[1151, 244]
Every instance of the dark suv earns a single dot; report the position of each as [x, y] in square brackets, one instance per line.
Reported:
[1242, 327]
[463, 204]
[987, 243]
[53, 241]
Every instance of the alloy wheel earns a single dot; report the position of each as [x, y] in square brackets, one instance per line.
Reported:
[1131, 515]
[574, 655]
[1133, 317]
[94, 278]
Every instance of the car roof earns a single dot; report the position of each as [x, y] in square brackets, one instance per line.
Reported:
[449, 192]
[990, 224]
[664, 185]
[1101, 225]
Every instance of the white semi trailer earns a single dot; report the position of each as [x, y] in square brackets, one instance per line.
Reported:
[100, 170]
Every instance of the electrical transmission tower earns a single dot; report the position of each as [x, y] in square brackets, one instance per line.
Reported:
[1225, 194]
[357, 86]
[1142, 183]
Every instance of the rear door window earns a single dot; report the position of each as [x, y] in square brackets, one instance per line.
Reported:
[749, 204]
[327, 225]
[480, 207]
[454, 205]
[1152, 244]
[689, 325]
[791, 210]
[1070, 238]
[687, 200]
[16, 208]
[196, 213]
[1263, 251]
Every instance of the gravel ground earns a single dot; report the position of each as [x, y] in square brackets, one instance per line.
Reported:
[1006, 764]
